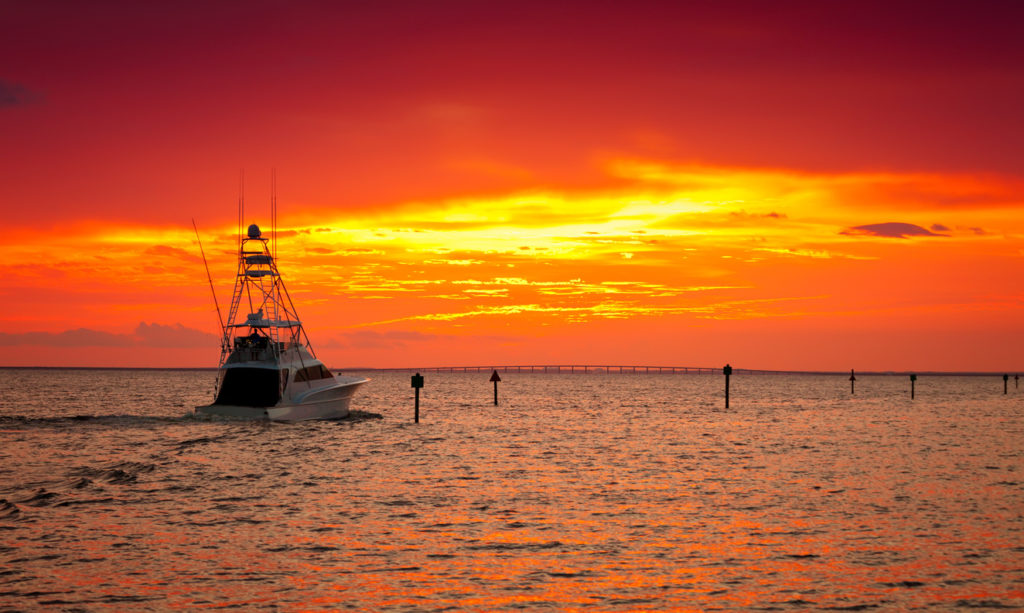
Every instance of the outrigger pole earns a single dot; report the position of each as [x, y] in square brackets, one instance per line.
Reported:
[208, 276]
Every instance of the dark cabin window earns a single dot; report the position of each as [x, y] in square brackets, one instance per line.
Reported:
[312, 373]
[250, 387]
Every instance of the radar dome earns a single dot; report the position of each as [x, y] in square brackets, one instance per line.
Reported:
[254, 231]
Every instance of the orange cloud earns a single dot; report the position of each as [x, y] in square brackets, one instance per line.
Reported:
[670, 246]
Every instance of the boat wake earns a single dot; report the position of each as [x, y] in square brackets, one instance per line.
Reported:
[15, 423]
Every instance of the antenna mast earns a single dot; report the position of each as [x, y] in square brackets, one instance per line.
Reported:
[273, 209]
[241, 206]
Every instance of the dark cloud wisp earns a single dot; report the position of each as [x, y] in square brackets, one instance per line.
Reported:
[145, 335]
[891, 230]
[13, 94]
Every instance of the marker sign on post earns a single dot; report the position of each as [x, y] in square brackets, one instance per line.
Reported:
[495, 378]
[727, 371]
[417, 383]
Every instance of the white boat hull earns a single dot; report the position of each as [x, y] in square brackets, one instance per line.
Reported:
[325, 403]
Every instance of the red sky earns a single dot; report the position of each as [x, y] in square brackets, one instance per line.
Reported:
[800, 185]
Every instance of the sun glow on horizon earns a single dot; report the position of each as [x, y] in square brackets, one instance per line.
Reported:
[667, 243]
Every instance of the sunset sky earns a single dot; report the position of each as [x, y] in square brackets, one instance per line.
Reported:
[778, 185]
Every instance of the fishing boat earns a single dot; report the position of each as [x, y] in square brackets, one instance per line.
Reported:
[268, 369]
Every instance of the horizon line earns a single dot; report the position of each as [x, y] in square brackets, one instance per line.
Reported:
[573, 369]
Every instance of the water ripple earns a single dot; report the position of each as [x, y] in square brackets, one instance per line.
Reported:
[599, 492]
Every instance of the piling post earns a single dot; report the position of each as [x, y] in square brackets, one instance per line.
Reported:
[727, 371]
[1006, 382]
[417, 383]
[495, 378]
[1016, 381]
[913, 379]
[852, 379]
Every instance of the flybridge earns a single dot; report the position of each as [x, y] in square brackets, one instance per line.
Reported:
[256, 320]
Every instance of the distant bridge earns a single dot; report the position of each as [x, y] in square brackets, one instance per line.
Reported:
[587, 369]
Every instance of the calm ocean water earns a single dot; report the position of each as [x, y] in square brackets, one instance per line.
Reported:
[597, 492]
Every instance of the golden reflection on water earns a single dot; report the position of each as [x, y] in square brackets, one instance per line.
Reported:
[579, 492]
